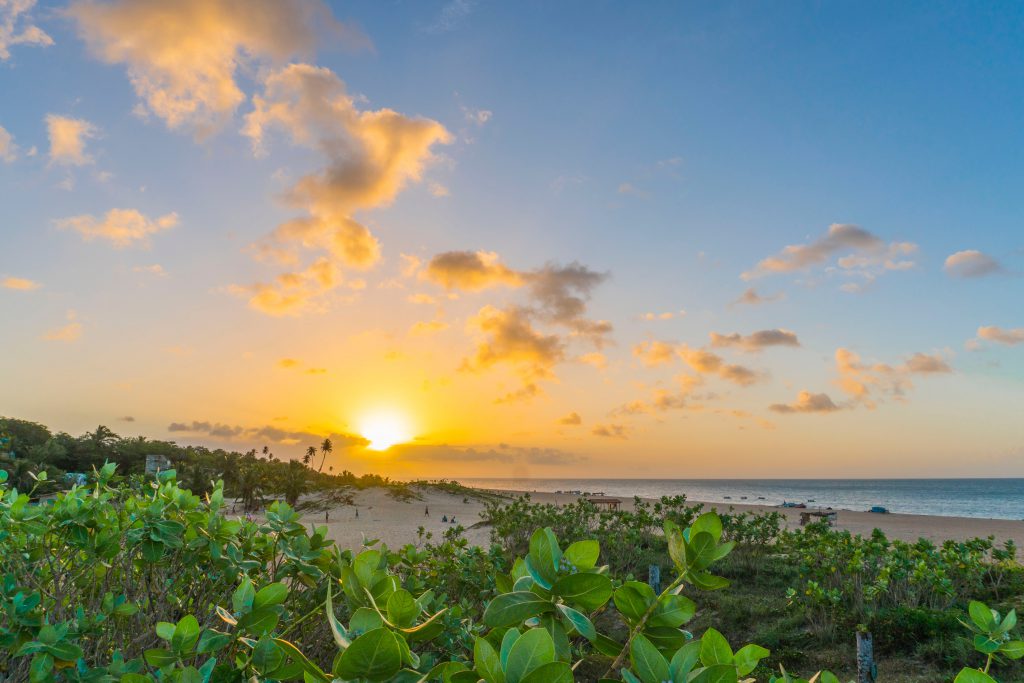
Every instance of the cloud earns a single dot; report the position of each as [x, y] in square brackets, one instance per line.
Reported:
[655, 352]
[453, 13]
[667, 315]
[755, 341]
[67, 140]
[8, 150]
[500, 453]
[560, 295]
[182, 55]
[633, 191]
[477, 116]
[16, 27]
[155, 269]
[126, 418]
[425, 327]
[68, 333]
[121, 227]
[611, 431]
[19, 283]
[971, 263]
[866, 255]
[265, 433]
[1000, 335]
[865, 382]
[470, 271]
[288, 363]
[293, 293]
[438, 190]
[806, 402]
[370, 156]
[595, 358]
[507, 336]
[750, 297]
[571, 420]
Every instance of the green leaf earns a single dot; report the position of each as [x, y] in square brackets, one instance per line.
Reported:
[365, 620]
[1008, 622]
[511, 609]
[590, 591]
[41, 666]
[633, 599]
[1014, 649]
[487, 662]
[211, 641]
[968, 675]
[402, 608]
[829, 677]
[676, 543]
[583, 554]
[186, 633]
[672, 610]
[337, 630]
[365, 567]
[260, 621]
[747, 657]
[159, 657]
[647, 662]
[64, 652]
[310, 670]
[375, 655]
[985, 645]
[700, 551]
[579, 621]
[507, 641]
[552, 672]
[545, 555]
[165, 630]
[706, 581]
[714, 649]
[241, 599]
[981, 615]
[531, 650]
[718, 673]
[267, 656]
[709, 522]
[270, 595]
[684, 660]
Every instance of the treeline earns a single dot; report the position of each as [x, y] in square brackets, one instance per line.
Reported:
[29, 448]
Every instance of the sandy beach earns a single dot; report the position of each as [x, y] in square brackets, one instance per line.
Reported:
[395, 522]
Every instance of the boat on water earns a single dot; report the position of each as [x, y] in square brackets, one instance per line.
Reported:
[878, 509]
[800, 506]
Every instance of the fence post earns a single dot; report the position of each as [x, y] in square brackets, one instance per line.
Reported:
[866, 669]
[654, 578]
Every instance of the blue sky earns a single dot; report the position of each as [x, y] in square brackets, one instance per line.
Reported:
[666, 148]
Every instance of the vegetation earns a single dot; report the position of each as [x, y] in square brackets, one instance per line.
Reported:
[132, 578]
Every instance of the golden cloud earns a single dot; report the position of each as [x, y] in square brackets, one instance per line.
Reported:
[806, 402]
[16, 27]
[121, 227]
[67, 140]
[755, 341]
[470, 271]
[19, 283]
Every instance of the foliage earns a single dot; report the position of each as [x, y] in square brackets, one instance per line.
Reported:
[993, 638]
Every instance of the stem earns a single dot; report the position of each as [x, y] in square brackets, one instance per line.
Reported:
[988, 663]
[640, 627]
[314, 611]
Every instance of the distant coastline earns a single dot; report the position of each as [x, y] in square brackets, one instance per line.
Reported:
[981, 498]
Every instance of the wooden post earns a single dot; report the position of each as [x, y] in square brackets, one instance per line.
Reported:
[654, 578]
[866, 669]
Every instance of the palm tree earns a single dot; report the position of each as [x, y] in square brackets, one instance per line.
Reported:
[310, 454]
[294, 484]
[249, 488]
[326, 447]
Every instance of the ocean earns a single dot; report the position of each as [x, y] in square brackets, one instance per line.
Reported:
[986, 498]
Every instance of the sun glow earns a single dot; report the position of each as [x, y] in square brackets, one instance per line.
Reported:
[384, 430]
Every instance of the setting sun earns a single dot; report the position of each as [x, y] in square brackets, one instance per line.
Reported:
[384, 430]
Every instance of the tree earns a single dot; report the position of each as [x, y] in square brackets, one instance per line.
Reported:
[326, 447]
[310, 454]
[294, 484]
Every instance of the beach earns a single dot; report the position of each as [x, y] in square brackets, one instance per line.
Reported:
[395, 522]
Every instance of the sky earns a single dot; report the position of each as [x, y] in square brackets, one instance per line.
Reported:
[531, 239]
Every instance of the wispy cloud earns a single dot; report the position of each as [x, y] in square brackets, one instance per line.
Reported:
[19, 283]
[971, 263]
[16, 27]
[121, 227]
[68, 333]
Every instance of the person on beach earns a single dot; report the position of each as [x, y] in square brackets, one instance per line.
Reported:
[357, 513]
[453, 519]
[327, 515]
[426, 511]
[444, 518]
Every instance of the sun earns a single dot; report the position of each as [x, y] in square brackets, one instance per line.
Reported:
[383, 430]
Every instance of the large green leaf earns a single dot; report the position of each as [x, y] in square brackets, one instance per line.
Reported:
[365, 567]
[552, 672]
[647, 662]
[270, 595]
[967, 675]
[267, 656]
[375, 656]
[583, 554]
[672, 610]
[402, 608]
[676, 543]
[747, 657]
[714, 649]
[684, 660]
[531, 650]
[241, 599]
[709, 522]
[507, 641]
[579, 621]
[589, 591]
[487, 662]
[185, 635]
[545, 555]
[718, 673]
[981, 615]
[633, 599]
[337, 630]
[511, 609]
[1014, 649]
[700, 550]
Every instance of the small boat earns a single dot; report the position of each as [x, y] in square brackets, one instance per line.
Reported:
[728, 497]
[743, 497]
[811, 500]
[878, 509]
[794, 505]
[760, 497]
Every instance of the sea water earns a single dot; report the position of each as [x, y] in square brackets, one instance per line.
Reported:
[987, 498]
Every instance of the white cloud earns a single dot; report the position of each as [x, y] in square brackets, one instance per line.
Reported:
[182, 55]
[1000, 335]
[68, 138]
[121, 227]
[16, 27]
[8, 150]
[971, 263]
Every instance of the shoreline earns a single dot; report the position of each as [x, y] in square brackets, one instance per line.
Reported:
[395, 522]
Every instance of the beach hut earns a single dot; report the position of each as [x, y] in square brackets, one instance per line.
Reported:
[605, 502]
